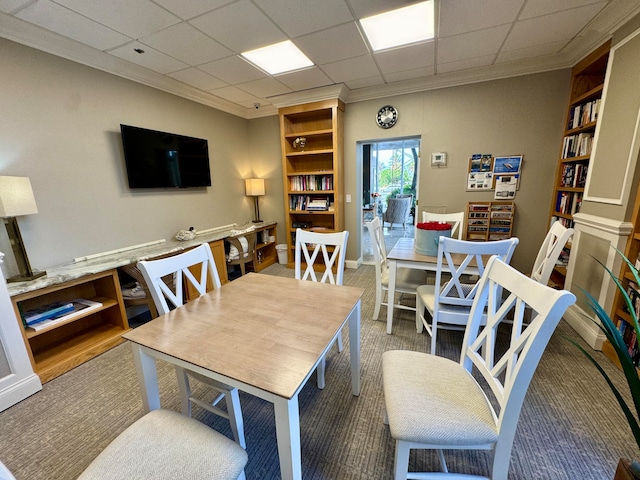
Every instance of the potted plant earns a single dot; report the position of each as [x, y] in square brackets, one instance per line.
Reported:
[627, 469]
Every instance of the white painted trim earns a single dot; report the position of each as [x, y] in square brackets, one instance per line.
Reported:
[635, 143]
[353, 263]
[216, 229]
[588, 330]
[19, 390]
[118, 250]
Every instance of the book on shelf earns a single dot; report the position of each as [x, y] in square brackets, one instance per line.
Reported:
[79, 306]
[317, 204]
[45, 312]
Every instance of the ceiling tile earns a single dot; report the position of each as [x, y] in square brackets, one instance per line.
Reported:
[537, 8]
[465, 64]
[187, 44]
[364, 82]
[197, 78]
[351, 69]
[407, 58]
[530, 52]
[265, 87]
[333, 44]
[562, 26]
[366, 8]
[191, 8]
[470, 45]
[151, 59]
[461, 17]
[305, 79]
[134, 19]
[262, 102]
[61, 20]
[233, 70]
[233, 94]
[240, 26]
[10, 6]
[295, 17]
[409, 74]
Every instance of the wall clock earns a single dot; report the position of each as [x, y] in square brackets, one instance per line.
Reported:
[387, 116]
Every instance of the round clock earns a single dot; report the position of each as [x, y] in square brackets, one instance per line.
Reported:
[387, 116]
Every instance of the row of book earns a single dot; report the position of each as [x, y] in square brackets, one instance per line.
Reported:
[626, 330]
[302, 183]
[58, 312]
[583, 114]
[565, 222]
[577, 145]
[309, 203]
[569, 203]
[574, 175]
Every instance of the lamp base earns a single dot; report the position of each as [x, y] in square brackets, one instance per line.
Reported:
[26, 278]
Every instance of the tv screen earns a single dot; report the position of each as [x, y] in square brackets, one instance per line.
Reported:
[162, 160]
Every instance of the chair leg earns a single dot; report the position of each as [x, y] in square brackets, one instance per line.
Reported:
[320, 373]
[434, 333]
[234, 410]
[185, 391]
[340, 345]
[401, 465]
[376, 310]
[419, 313]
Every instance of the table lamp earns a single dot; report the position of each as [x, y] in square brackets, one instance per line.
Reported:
[254, 187]
[16, 198]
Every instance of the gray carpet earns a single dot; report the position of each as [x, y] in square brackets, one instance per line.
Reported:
[569, 427]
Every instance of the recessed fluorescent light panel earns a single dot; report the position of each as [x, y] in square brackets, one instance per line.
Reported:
[400, 27]
[278, 58]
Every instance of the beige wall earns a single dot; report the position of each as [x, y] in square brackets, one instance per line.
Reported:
[63, 133]
[522, 115]
[60, 127]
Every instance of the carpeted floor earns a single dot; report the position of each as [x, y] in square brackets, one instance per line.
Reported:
[569, 428]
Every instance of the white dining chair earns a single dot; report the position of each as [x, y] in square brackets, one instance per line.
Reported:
[407, 279]
[449, 300]
[455, 219]
[197, 268]
[321, 254]
[550, 250]
[437, 404]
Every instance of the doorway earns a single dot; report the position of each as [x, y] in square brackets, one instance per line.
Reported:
[389, 168]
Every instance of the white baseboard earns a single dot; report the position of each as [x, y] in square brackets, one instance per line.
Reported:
[19, 391]
[589, 331]
[353, 263]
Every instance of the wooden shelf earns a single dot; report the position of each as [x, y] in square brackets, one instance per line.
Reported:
[321, 124]
[587, 85]
[63, 346]
[489, 220]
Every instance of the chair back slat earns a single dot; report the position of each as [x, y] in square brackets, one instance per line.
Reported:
[309, 246]
[455, 219]
[180, 269]
[550, 251]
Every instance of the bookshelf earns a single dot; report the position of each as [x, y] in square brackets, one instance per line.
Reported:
[59, 348]
[312, 167]
[587, 84]
[489, 221]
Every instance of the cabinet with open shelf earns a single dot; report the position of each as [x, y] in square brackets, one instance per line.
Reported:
[60, 347]
[311, 144]
[587, 85]
[489, 221]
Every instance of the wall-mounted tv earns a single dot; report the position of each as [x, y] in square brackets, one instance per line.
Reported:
[164, 160]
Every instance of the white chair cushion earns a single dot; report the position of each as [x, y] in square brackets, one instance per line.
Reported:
[233, 251]
[449, 314]
[166, 445]
[421, 389]
[406, 278]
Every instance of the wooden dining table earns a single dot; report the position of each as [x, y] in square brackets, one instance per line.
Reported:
[404, 255]
[260, 333]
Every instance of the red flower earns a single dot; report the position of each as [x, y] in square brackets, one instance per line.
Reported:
[434, 226]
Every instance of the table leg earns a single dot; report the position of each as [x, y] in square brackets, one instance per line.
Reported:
[287, 414]
[147, 378]
[391, 294]
[354, 348]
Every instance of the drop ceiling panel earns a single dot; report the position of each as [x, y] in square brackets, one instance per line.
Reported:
[191, 8]
[470, 45]
[234, 94]
[240, 26]
[134, 19]
[530, 52]
[295, 17]
[465, 64]
[460, 17]
[408, 58]
[233, 70]
[151, 59]
[333, 44]
[366, 8]
[186, 44]
[265, 87]
[197, 78]
[537, 8]
[351, 69]
[305, 79]
[409, 74]
[61, 20]
[10, 6]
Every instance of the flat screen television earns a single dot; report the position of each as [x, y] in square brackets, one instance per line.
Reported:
[164, 160]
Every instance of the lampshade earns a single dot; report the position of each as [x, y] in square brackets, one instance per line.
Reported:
[16, 197]
[254, 187]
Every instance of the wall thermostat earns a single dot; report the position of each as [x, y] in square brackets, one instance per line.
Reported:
[439, 159]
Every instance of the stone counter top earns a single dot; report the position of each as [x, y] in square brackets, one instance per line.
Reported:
[109, 260]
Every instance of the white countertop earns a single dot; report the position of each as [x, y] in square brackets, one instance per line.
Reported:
[101, 263]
